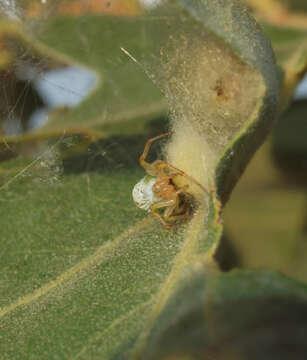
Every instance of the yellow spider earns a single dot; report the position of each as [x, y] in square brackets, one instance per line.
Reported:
[157, 190]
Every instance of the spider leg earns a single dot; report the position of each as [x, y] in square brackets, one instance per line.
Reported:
[161, 166]
[146, 165]
[168, 204]
[174, 218]
[168, 213]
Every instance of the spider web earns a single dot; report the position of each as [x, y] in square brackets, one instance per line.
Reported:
[31, 90]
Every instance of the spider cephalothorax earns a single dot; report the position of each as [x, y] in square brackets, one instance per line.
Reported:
[158, 190]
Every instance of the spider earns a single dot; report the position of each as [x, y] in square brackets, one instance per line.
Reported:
[158, 190]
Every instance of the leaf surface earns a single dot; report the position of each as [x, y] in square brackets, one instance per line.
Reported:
[86, 274]
[259, 314]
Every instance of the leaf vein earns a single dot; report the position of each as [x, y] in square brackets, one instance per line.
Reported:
[81, 266]
[167, 288]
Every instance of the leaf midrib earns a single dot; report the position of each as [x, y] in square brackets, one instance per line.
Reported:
[92, 259]
[183, 258]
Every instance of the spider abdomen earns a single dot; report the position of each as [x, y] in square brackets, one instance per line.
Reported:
[143, 193]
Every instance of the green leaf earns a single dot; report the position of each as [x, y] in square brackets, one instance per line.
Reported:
[125, 91]
[70, 263]
[86, 276]
[227, 113]
[258, 315]
[254, 314]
